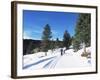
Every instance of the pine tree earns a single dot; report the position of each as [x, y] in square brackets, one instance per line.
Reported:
[66, 39]
[83, 31]
[46, 36]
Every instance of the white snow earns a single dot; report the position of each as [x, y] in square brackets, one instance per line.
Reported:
[69, 59]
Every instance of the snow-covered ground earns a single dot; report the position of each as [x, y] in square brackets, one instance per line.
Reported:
[55, 60]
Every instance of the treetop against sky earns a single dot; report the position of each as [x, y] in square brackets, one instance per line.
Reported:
[35, 21]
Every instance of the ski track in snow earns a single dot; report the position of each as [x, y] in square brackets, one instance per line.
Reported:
[47, 65]
[36, 63]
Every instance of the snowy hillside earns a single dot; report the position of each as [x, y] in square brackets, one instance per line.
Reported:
[55, 60]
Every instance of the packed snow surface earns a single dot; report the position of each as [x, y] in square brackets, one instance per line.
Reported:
[54, 59]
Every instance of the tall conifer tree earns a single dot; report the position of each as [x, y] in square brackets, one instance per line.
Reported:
[46, 36]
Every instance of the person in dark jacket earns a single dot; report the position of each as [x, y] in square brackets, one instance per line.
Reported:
[61, 51]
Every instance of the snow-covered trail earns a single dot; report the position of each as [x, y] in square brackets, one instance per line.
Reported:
[71, 59]
[41, 62]
[55, 60]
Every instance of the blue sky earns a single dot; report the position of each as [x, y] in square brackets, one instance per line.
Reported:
[35, 21]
